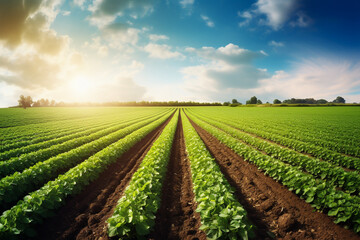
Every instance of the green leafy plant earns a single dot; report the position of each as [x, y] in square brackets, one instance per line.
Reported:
[134, 215]
[18, 221]
[320, 194]
[222, 216]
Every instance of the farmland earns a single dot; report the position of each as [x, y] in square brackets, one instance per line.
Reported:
[180, 173]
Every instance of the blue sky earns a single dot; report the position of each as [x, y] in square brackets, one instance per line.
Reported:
[161, 50]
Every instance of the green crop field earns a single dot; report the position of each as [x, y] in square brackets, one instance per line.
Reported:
[190, 172]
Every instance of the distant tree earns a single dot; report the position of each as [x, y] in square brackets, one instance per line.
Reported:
[258, 101]
[339, 100]
[277, 101]
[226, 103]
[42, 102]
[36, 103]
[234, 101]
[60, 104]
[25, 101]
[253, 100]
[321, 101]
[52, 103]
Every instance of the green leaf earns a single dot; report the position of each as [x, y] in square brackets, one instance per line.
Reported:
[142, 229]
[333, 212]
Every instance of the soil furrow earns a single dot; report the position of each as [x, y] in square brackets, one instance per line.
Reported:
[84, 216]
[276, 211]
[289, 148]
[176, 218]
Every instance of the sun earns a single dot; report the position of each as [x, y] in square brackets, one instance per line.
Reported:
[80, 85]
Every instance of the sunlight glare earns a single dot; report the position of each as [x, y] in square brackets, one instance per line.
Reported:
[80, 84]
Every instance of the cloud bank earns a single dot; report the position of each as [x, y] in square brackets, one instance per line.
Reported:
[225, 67]
[275, 14]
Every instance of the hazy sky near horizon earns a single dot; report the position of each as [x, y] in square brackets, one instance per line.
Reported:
[161, 50]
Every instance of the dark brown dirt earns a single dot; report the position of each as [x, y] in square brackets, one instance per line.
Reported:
[272, 208]
[84, 216]
[176, 218]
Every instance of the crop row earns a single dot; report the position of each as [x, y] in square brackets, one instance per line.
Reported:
[27, 160]
[14, 186]
[221, 214]
[35, 131]
[338, 132]
[134, 213]
[314, 150]
[13, 153]
[349, 181]
[63, 131]
[29, 136]
[73, 135]
[20, 219]
[28, 132]
[322, 195]
[312, 128]
[298, 134]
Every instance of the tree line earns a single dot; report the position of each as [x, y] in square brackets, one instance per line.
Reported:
[255, 100]
[26, 102]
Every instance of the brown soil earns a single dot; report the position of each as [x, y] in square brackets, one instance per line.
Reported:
[273, 209]
[84, 216]
[176, 218]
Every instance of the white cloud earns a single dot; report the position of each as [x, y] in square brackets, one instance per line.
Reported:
[247, 15]
[275, 14]
[29, 23]
[276, 44]
[155, 37]
[33, 56]
[66, 13]
[315, 78]
[187, 3]
[230, 54]
[105, 12]
[228, 67]
[122, 89]
[129, 71]
[120, 36]
[98, 46]
[208, 21]
[33, 71]
[161, 51]
[79, 3]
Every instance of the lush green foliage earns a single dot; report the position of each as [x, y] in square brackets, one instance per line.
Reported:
[14, 186]
[11, 117]
[349, 181]
[319, 193]
[27, 160]
[134, 214]
[26, 136]
[344, 130]
[18, 221]
[222, 216]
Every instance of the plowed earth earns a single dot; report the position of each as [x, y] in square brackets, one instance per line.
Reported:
[277, 212]
[176, 218]
[84, 216]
